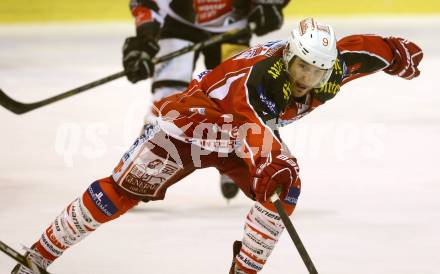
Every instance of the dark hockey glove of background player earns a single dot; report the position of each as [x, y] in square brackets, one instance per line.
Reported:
[267, 15]
[407, 57]
[139, 51]
[281, 172]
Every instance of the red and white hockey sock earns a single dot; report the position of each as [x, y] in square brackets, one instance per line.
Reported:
[99, 204]
[262, 230]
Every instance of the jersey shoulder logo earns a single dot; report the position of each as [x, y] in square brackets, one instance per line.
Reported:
[268, 49]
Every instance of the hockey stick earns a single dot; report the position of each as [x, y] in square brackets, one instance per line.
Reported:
[20, 108]
[20, 258]
[293, 234]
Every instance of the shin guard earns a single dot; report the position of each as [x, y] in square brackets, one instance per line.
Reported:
[263, 228]
[101, 203]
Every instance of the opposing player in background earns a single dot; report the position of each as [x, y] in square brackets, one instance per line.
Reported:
[164, 26]
[228, 118]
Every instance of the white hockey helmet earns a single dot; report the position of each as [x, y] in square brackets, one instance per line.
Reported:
[314, 43]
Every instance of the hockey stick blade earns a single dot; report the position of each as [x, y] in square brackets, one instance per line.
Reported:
[18, 257]
[20, 108]
[14, 106]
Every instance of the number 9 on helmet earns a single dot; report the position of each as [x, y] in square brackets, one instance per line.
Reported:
[315, 44]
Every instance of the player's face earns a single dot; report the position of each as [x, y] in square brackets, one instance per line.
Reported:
[305, 76]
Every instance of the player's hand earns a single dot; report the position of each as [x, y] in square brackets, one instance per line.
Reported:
[267, 15]
[407, 57]
[137, 58]
[279, 172]
[139, 51]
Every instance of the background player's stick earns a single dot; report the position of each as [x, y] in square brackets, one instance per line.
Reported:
[293, 234]
[20, 258]
[20, 108]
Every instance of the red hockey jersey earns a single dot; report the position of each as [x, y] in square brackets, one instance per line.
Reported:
[240, 104]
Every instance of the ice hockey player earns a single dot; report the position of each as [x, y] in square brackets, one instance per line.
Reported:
[163, 26]
[228, 118]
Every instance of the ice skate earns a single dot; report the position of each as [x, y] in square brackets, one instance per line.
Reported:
[35, 260]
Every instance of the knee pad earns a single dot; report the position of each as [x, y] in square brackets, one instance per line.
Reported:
[105, 201]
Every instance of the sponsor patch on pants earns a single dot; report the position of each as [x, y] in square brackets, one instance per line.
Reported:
[148, 174]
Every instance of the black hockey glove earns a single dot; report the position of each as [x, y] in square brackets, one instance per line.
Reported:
[268, 15]
[139, 51]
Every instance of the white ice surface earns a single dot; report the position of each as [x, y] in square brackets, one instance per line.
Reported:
[369, 161]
